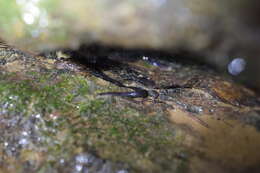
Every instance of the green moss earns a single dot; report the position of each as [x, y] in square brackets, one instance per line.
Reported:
[114, 132]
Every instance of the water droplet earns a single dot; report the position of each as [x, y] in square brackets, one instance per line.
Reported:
[82, 158]
[145, 58]
[38, 116]
[24, 133]
[53, 116]
[236, 66]
[23, 141]
[30, 11]
[13, 97]
[78, 168]
[28, 18]
[62, 161]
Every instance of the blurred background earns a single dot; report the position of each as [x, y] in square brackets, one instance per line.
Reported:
[223, 34]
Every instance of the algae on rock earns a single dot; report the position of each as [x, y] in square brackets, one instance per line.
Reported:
[53, 121]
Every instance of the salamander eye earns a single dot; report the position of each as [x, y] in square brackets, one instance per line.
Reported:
[143, 93]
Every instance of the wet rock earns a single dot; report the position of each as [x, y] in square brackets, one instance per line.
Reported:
[53, 118]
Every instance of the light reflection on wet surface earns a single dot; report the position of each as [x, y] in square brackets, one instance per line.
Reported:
[33, 131]
[26, 135]
[33, 14]
[236, 66]
[85, 162]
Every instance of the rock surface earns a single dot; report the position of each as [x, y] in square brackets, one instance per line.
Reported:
[53, 118]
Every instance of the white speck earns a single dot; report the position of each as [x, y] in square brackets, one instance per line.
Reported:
[36, 127]
[23, 141]
[13, 97]
[78, 168]
[54, 117]
[236, 66]
[199, 109]
[6, 144]
[38, 116]
[155, 64]
[28, 18]
[82, 158]
[30, 11]
[62, 161]
[24, 133]
[145, 58]
[32, 8]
